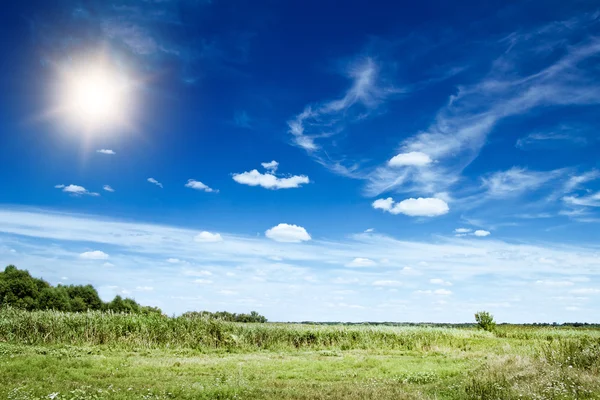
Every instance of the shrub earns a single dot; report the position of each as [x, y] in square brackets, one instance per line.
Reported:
[485, 321]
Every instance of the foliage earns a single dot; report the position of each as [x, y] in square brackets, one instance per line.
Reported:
[227, 316]
[20, 290]
[485, 321]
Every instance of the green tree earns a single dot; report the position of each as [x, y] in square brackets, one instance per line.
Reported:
[54, 299]
[485, 321]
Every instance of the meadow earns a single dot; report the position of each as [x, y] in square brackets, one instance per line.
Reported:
[106, 355]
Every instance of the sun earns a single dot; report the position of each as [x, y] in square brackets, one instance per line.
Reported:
[95, 96]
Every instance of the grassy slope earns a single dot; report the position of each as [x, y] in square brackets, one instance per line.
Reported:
[42, 354]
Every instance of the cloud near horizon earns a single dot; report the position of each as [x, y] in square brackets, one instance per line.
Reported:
[141, 251]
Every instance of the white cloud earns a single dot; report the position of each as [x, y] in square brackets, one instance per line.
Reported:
[106, 151]
[517, 180]
[94, 255]
[270, 166]
[173, 260]
[442, 292]
[389, 283]
[361, 262]
[421, 207]
[108, 265]
[370, 230]
[269, 180]
[459, 130]
[203, 281]
[481, 233]
[208, 237]
[108, 188]
[192, 272]
[462, 230]
[139, 250]
[228, 292]
[76, 190]
[197, 185]
[554, 283]
[438, 281]
[592, 200]
[144, 288]
[414, 158]
[288, 233]
[365, 95]
[562, 135]
[585, 291]
[154, 181]
[576, 181]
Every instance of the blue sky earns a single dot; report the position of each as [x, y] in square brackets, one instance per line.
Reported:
[407, 162]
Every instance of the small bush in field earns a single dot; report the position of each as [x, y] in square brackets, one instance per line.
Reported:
[485, 321]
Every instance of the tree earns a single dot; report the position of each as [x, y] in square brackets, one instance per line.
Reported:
[485, 321]
[54, 299]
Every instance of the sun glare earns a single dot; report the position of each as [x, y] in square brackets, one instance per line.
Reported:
[95, 97]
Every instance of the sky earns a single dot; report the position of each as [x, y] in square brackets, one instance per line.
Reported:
[383, 161]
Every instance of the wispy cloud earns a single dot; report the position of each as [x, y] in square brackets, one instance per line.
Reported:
[197, 185]
[106, 151]
[269, 180]
[242, 119]
[322, 120]
[556, 137]
[155, 182]
[516, 181]
[108, 188]
[460, 128]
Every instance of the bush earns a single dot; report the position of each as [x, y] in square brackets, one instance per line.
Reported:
[485, 321]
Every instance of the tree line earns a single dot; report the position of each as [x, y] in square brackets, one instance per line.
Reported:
[21, 290]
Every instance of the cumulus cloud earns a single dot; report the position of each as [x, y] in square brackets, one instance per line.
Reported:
[288, 233]
[208, 237]
[269, 180]
[197, 185]
[94, 255]
[481, 233]
[361, 262]
[154, 181]
[173, 260]
[421, 207]
[270, 166]
[414, 158]
[108, 188]
[76, 190]
[106, 151]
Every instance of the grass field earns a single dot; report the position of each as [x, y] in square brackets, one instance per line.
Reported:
[51, 355]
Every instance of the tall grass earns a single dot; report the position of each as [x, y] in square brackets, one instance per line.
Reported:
[154, 330]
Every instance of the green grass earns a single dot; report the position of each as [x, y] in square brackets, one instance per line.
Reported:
[115, 356]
